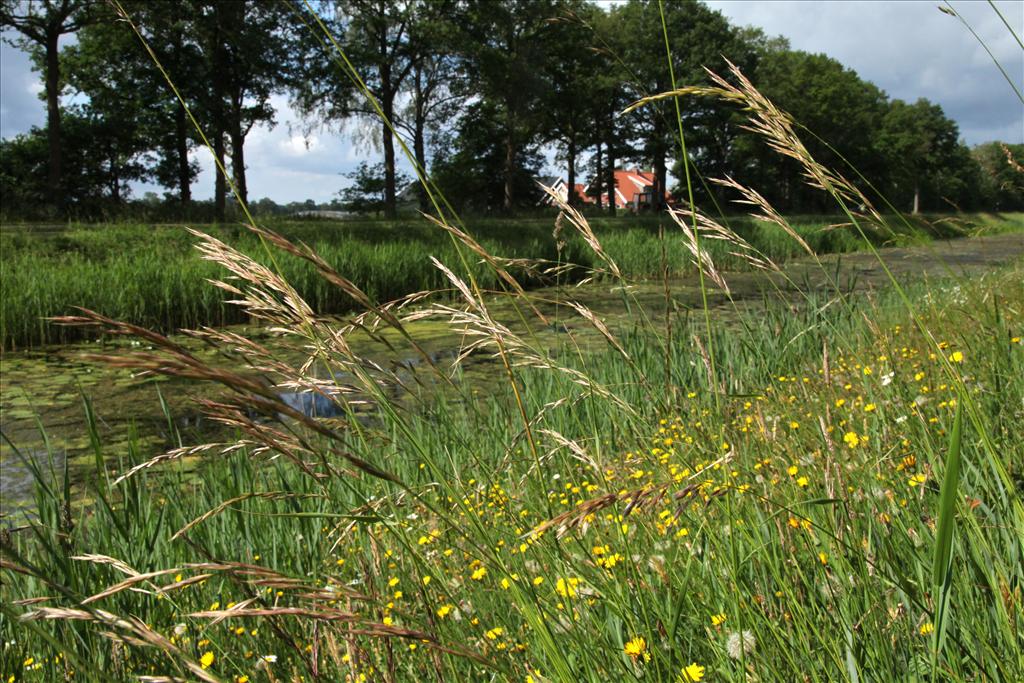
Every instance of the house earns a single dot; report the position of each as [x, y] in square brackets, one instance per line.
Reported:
[561, 189]
[634, 190]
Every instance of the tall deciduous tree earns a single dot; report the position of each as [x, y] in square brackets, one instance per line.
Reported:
[922, 149]
[505, 48]
[571, 103]
[375, 35]
[40, 24]
[697, 37]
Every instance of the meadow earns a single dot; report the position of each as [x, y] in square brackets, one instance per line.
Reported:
[149, 275]
[777, 516]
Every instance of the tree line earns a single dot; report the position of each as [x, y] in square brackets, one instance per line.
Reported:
[476, 90]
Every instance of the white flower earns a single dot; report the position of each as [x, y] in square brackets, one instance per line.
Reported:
[270, 659]
[740, 644]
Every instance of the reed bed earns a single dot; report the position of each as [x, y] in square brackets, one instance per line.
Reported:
[149, 274]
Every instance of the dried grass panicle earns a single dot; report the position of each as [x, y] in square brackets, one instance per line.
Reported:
[175, 454]
[701, 257]
[777, 128]
[642, 498]
[224, 505]
[267, 296]
[708, 228]
[130, 629]
[579, 222]
[767, 212]
[496, 264]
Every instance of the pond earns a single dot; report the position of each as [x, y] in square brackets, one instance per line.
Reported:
[43, 392]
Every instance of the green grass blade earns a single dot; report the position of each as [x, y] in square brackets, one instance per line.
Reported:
[942, 567]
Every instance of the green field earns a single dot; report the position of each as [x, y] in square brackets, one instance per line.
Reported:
[779, 516]
[150, 275]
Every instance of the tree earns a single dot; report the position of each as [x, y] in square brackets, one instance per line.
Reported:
[922, 149]
[41, 23]
[504, 45]
[838, 115]
[471, 166]
[127, 98]
[98, 157]
[571, 104]
[376, 39]
[1002, 175]
[368, 191]
[435, 82]
[698, 37]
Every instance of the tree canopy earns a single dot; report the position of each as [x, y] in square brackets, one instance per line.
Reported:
[484, 94]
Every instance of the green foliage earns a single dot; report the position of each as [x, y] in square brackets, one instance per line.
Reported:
[367, 194]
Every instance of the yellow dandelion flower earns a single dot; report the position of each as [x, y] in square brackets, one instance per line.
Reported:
[718, 619]
[823, 558]
[494, 633]
[479, 573]
[917, 480]
[206, 661]
[444, 610]
[852, 439]
[926, 628]
[692, 673]
[637, 649]
[956, 357]
[802, 482]
[426, 579]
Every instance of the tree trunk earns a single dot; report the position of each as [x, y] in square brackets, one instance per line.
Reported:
[419, 144]
[510, 160]
[238, 150]
[390, 203]
[658, 200]
[220, 185]
[917, 198]
[219, 87]
[115, 181]
[571, 198]
[181, 144]
[609, 165]
[53, 184]
[599, 177]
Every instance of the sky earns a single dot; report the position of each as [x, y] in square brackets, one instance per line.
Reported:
[909, 49]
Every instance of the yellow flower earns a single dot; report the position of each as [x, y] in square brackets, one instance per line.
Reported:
[206, 660]
[444, 610]
[494, 633]
[956, 357]
[869, 408]
[538, 581]
[718, 619]
[479, 573]
[917, 480]
[567, 588]
[823, 558]
[851, 439]
[926, 628]
[802, 482]
[692, 673]
[637, 648]
[426, 580]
